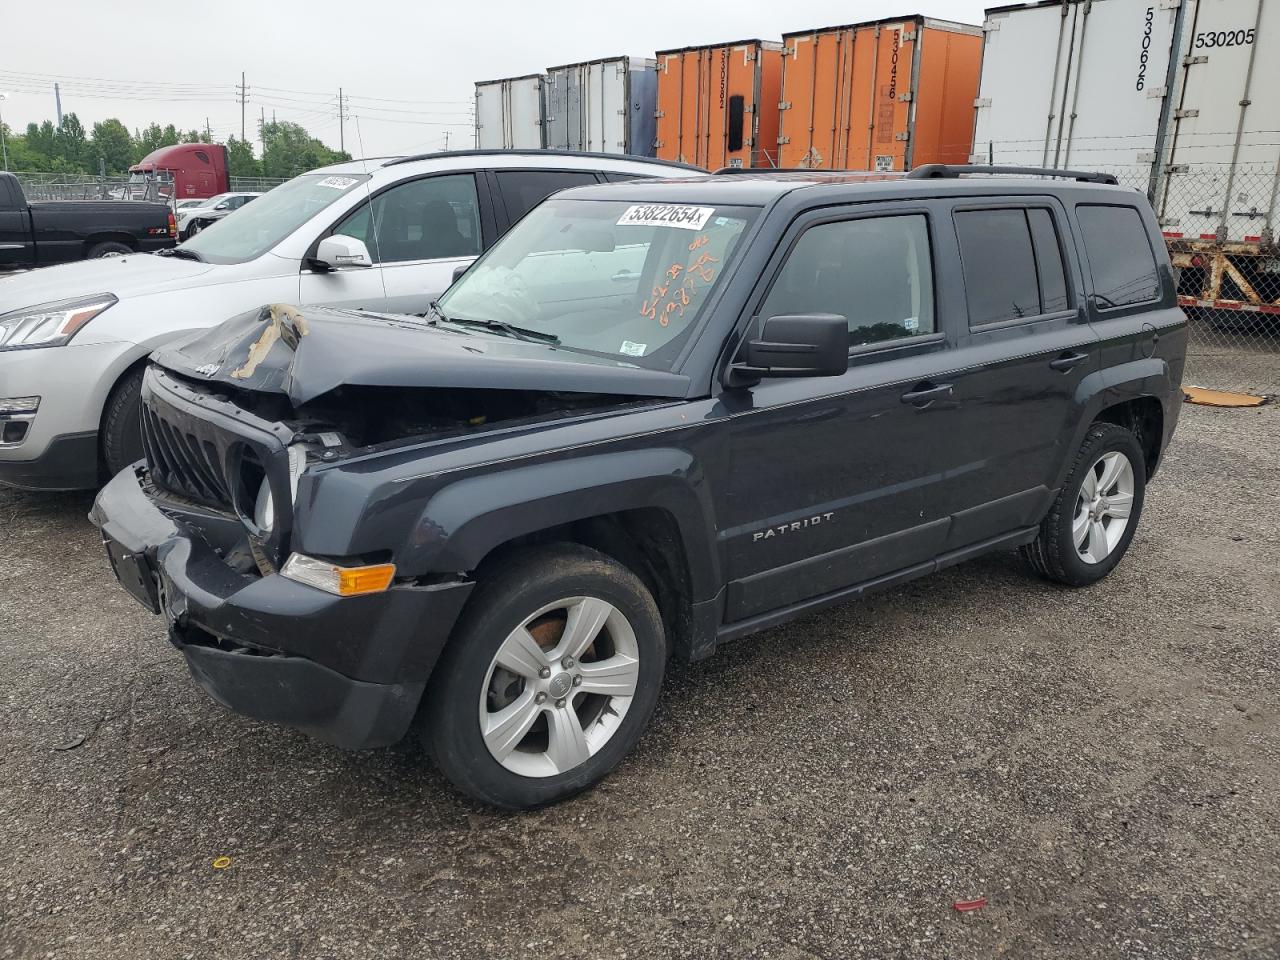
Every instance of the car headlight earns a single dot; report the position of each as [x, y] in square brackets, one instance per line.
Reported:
[264, 508]
[50, 324]
[264, 511]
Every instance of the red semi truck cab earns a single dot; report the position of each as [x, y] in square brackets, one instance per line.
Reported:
[180, 172]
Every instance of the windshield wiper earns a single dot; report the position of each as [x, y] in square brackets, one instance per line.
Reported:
[181, 252]
[510, 329]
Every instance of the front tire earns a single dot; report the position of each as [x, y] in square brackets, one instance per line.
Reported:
[549, 680]
[122, 424]
[1092, 521]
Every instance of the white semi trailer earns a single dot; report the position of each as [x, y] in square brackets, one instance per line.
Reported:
[1180, 98]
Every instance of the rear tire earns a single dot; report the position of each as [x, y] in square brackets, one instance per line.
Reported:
[122, 424]
[1093, 519]
[513, 715]
[108, 248]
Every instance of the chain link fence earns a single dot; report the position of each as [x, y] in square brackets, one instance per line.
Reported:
[1218, 225]
[79, 186]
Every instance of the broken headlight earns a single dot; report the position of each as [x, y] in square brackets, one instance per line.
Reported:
[264, 508]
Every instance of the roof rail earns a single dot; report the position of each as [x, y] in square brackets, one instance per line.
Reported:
[939, 171]
[724, 170]
[540, 151]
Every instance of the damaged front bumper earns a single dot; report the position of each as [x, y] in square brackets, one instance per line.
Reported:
[347, 670]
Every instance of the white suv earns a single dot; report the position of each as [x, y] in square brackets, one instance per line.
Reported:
[382, 234]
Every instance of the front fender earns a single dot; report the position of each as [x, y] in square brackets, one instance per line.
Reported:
[462, 522]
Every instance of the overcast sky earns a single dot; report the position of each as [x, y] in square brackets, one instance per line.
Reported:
[407, 66]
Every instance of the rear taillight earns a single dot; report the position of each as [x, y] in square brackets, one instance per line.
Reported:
[173, 226]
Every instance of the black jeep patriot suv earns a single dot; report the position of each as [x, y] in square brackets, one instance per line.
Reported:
[654, 417]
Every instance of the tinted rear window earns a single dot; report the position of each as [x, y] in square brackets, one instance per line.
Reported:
[999, 265]
[1053, 279]
[1120, 259]
[522, 190]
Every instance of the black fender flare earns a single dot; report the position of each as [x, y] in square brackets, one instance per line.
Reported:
[464, 521]
[1149, 377]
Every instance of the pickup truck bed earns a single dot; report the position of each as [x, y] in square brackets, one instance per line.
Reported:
[59, 231]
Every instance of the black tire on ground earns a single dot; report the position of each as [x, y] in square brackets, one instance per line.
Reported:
[1053, 553]
[506, 596]
[108, 248]
[121, 424]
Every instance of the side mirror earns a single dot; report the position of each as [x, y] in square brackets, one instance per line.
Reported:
[340, 251]
[222, 206]
[459, 270]
[803, 345]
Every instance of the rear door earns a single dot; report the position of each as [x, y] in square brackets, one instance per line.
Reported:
[418, 232]
[16, 246]
[1024, 351]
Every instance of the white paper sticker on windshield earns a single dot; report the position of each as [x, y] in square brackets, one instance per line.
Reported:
[629, 349]
[338, 183]
[666, 215]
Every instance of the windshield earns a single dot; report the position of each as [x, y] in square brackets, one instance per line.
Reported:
[259, 226]
[607, 277]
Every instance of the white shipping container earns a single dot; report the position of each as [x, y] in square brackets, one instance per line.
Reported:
[509, 113]
[1178, 97]
[605, 106]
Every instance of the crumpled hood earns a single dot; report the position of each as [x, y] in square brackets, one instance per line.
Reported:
[304, 352]
[127, 276]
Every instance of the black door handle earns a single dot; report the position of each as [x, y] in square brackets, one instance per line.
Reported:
[925, 393]
[1067, 361]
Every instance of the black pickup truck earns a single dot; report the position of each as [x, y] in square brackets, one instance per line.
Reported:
[654, 417]
[59, 231]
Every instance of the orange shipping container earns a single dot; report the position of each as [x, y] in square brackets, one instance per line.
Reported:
[888, 95]
[718, 105]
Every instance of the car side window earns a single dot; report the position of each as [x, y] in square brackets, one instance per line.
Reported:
[428, 219]
[624, 177]
[522, 190]
[876, 272]
[1120, 257]
[999, 265]
[1048, 247]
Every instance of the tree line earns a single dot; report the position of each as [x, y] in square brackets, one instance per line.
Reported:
[71, 149]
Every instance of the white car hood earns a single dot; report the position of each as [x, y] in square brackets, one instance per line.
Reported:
[129, 276]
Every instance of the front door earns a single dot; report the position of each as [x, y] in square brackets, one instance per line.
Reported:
[827, 475]
[417, 233]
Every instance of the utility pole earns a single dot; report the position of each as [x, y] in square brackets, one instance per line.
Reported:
[242, 92]
[208, 131]
[262, 131]
[446, 140]
[342, 126]
[4, 148]
[57, 102]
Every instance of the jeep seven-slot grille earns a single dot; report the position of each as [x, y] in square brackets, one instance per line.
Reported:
[182, 462]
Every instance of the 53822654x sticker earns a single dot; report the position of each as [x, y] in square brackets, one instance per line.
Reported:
[665, 215]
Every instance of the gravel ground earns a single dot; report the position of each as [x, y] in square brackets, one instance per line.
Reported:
[1101, 765]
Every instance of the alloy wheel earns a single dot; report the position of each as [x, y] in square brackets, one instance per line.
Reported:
[559, 686]
[1103, 507]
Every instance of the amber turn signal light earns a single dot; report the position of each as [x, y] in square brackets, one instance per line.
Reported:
[336, 579]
